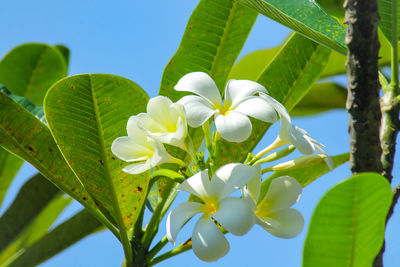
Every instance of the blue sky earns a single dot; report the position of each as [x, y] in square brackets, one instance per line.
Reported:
[135, 39]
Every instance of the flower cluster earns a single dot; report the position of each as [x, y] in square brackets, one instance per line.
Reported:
[167, 123]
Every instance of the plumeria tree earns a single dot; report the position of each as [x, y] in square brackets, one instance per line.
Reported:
[128, 158]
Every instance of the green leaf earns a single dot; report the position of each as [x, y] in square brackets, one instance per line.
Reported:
[33, 198]
[305, 17]
[30, 69]
[63, 236]
[27, 137]
[213, 39]
[36, 229]
[334, 7]
[348, 224]
[25, 102]
[9, 167]
[86, 113]
[253, 64]
[305, 175]
[385, 8]
[288, 78]
[64, 51]
[322, 97]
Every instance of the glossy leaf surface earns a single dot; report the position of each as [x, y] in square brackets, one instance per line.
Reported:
[348, 224]
[305, 17]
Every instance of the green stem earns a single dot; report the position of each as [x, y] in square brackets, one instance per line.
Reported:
[100, 216]
[277, 143]
[390, 104]
[276, 155]
[206, 130]
[157, 248]
[152, 227]
[178, 250]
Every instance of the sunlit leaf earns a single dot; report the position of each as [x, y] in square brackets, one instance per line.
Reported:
[30, 69]
[305, 17]
[63, 236]
[86, 113]
[213, 39]
[24, 135]
[348, 224]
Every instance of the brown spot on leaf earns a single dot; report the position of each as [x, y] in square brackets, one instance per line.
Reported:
[140, 189]
[101, 162]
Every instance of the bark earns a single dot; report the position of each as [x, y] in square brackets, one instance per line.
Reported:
[362, 104]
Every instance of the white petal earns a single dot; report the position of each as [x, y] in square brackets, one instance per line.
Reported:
[235, 215]
[159, 109]
[290, 221]
[283, 193]
[258, 108]
[282, 111]
[198, 184]
[201, 84]
[150, 126]
[179, 216]
[234, 127]
[160, 154]
[238, 90]
[128, 150]
[230, 177]
[208, 242]
[135, 132]
[197, 110]
[253, 187]
[300, 140]
[328, 160]
[139, 167]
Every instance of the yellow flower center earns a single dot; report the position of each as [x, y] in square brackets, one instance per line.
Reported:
[224, 110]
[210, 207]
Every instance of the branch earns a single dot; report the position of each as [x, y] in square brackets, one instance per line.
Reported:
[362, 104]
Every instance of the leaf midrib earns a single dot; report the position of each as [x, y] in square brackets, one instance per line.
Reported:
[117, 210]
[228, 24]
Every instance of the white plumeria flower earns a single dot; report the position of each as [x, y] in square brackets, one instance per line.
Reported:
[291, 134]
[274, 212]
[140, 148]
[234, 214]
[231, 114]
[164, 121]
